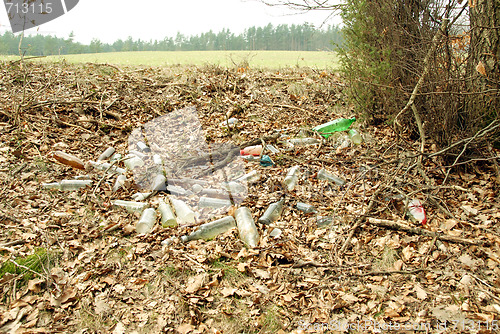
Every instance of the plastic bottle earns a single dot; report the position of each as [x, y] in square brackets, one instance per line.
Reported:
[246, 227]
[106, 154]
[67, 185]
[252, 150]
[272, 212]
[292, 177]
[129, 205]
[132, 161]
[159, 182]
[304, 141]
[324, 175]
[147, 221]
[68, 160]
[167, 215]
[115, 157]
[141, 196]
[251, 177]
[176, 190]
[272, 149]
[210, 230]
[234, 187]
[229, 122]
[143, 147]
[304, 207]
[120, 181]
[416, 211]
[340, 124]
[355, 137]
[208, 202]
[107, 166]
[157, 159]
[183, 212]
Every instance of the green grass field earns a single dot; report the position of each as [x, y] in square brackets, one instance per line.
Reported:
[254, 59]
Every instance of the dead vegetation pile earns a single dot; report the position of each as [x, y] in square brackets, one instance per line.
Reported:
[73, 263]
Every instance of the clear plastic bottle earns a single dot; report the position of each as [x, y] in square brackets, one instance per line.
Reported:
[272, 212]
[304, 141]
[120, 181]
[272, 149]
[183, 212]
[304, 207]
[68, 160]
[246, 227]
[67, 185]
[251, 177]
[132, 161]
[143, 147]
[141, 196]
[159, 182]
[355, 136]
[210, 230]
[106, 154]
[208, 202]
[292, 177]
[234, 187]
[324, 175]
[167, 215]
[107, 166]
[129, 205]
[147, 221]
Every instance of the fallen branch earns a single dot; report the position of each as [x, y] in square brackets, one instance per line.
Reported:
[400, 226]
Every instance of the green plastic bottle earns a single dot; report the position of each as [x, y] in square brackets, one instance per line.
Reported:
[339, 124]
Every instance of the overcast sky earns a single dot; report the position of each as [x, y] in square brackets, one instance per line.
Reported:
[109, 20]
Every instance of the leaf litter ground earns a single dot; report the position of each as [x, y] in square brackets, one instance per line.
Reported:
[73, 263]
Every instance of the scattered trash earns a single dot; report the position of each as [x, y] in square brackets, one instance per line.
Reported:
[106, 154]
[251, 177]
[246, 227]
[184, 213]
[69, 160]
[292, 177]
[130, 206]
[209, 202]
[143, 147]
[120, 181]
[323, 221]
[167, 215]
[272, 149]
[132, 161]
[272, 212]
[304, 141]
[210, 230]
[304, 207]
[67, 185]
[416, 211]
[141, 196]
[275, 233]
[266, 161]
[324, 175]
[355, 136]
[157, 159]
[147, 221]
[227, 123]
[252, 150]
[159, 183]
[106, 166]
[168, 241]
[340, 124]
[197, 188]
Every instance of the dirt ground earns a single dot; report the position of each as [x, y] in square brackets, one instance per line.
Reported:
[73, 263]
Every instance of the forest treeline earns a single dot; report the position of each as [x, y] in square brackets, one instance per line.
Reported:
[304, 37]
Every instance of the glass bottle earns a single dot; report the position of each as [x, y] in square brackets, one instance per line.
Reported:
[246, 227]
[210, 230]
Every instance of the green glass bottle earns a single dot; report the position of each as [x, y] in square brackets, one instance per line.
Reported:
[339, 124]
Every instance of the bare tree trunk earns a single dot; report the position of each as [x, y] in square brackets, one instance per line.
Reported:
[484, 62]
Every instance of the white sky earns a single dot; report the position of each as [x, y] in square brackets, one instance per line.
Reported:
[109, 20]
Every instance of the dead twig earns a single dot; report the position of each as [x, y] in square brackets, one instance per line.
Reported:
[400, 226]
